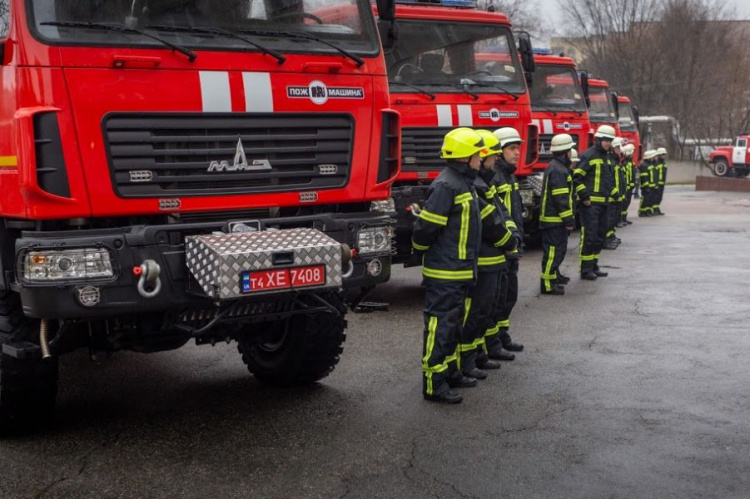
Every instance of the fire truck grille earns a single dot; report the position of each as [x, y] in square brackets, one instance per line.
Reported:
[157, 155]
[420, 148]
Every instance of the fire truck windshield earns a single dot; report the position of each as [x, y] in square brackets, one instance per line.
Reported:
[601, 110]
[306, 26]
[556, 88]
[627, 118]
[452, 55]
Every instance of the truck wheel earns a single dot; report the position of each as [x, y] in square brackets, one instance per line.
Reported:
[297, 351]
[721, 167]
[28, 387]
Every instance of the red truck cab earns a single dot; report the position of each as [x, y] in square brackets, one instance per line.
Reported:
[629, 120]
[603, 106]
[451, 65]
[188, 170]
[732, 161]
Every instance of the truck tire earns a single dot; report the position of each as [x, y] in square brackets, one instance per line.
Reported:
[721, 167]
[300, 350]
[28, 387]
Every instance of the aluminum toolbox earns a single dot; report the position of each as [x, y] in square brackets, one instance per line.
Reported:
[218, 261]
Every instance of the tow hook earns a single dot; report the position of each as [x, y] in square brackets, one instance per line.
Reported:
[347, 258]
[149, 285]
[44, 340]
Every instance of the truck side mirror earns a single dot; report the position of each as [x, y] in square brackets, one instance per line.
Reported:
[386, 9]
[388, 31]
[584, 77]
[615, 104]
[526, 51]
[2, 53]
[636, 115]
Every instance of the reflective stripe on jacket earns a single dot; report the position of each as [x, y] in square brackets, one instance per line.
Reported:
[557, 196]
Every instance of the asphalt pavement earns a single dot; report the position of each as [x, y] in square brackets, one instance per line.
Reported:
[635, 385]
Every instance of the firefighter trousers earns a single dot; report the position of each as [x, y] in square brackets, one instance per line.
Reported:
[492, 332]
[497, 335]
[554, 245]
[482, 301]
[593, 234]
[659, 195]
[645, 207]
[626, 204]
[614, 210]
[445, 305]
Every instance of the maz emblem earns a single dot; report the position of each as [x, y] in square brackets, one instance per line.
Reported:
[240, 163]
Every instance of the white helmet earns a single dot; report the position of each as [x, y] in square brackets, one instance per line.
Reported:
[574, 156]
[618, 142]
[650, 154]
[628, 150]
[507, 135]
[661, 151]
[562, 142]
[606, 132]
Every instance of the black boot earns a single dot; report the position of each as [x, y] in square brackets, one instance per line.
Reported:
[462, 381]
[556, 290]
[600, 273]
[589, 276]
[508, 343]
[561, 279]
[501, 353]
[476, 373]
[447, 397]
[485, 363]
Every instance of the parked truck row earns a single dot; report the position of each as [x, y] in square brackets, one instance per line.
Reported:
[239, 171]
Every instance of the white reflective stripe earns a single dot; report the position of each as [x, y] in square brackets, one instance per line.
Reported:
[258, 93]
[464, 115]
[548, 126]
[444, 115]
[535, 122]
[215, 92]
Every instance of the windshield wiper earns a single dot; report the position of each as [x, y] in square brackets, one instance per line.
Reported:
[220, 31]
[495, 85]
[420, 90]
[305, 36]
[462, 87]
[538, 108]
[192, 56]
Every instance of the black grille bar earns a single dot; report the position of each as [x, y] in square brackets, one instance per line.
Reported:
[420, 148]
[156, 155]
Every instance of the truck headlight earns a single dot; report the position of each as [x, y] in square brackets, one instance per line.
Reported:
[384, 205]
[58, 265]
[374, 240]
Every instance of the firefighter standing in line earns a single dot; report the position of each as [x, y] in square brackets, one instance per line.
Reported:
[630, 176]
[499, 342]
[556, 218]
[487, 292]
[593, 179]
[645, 174]
[618, 194]
[447, 236]
[661, 179]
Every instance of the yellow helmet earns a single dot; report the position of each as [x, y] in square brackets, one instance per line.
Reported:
[491, 143]
[461, 143]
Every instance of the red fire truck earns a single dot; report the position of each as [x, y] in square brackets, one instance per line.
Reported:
[732, 161]
[194, 169]
[629, 120]
[603, 106]
[451, 65]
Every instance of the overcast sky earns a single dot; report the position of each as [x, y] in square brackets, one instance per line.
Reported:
[740, 9]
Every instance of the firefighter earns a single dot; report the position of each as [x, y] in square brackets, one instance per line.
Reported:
[492, 270]
[618, 191]
[556, 217]
[645, 172]
[447, 237]
[661, 179]
[593, 179]
[500, 345]
[630, 171]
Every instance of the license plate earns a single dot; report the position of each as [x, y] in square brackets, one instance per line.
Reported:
[296, 277]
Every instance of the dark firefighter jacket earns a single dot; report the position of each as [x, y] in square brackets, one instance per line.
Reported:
[645, 171]
[629, 170]
[660, 174]
[621, 183]
[557, 197]
[508, 192]
[593, 178]
[492, 252]
[449, 228]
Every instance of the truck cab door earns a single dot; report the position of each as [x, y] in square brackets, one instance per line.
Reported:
[739, 153]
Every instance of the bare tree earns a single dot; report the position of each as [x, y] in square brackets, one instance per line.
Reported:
[4, 18]
[522, 13]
